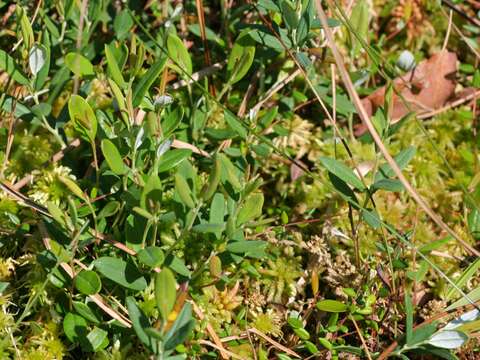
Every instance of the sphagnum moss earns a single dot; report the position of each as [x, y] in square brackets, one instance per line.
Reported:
[294, 260]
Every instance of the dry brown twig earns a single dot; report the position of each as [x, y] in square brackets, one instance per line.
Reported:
[273, 342]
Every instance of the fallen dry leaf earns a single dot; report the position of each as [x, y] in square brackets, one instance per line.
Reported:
[427, 87]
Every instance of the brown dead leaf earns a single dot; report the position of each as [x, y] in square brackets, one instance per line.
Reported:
[427, 87]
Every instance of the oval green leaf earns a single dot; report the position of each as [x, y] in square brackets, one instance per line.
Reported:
[74, 327]
[113, 157]
[332, 306]
[342, 171]
[113, 67]
[121, 272]
[151, 256]
[240, 59]
[83, 116]
[147, 80]
[165, 292]
[251, 208]
[184, 191]
[179, 54]
[172, 158]
[88, 282]
[78, 64]
[85, 311]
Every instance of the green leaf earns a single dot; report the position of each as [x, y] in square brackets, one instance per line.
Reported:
[72, 186]
[422, 333]
[474, 295]
[140, 323]
[269, 5]
[289, 14]
[184, 191]
[327, 344]
[3, 286]
[56, 213]
[215, 266]
[74, 327]
[151, 256]
[180, 329]
[97, 339]
[295, 323]
[122, 24]
[435, 244]
[121, 272]
[244, 247]
[177, 265]
[235, 124]
[108, 210]
[474, 223]
[263, 36]
[172, 158]
[147, 80]
[113, 67]
[143, 213]
[229, 172]
[209, 228]
[213, 180]
[165, 292]
[152, 193]
[302, 333]
[122, 106]
[240, 59]
[78, 64]
[171, 120]
[154, 333]
[359, 19]
[342, 171]
[83, 116]
[346, 192]
[331, 306]
[250, 209]
[42, 109]
[179, 54]
[88, 282]
[388, 185]
[25, 27]
[113, 157]
[7, 64]
[371, 218]
[402, 159]
[85, 311]
[209, 33]
[464, 278]
[217, 211]
[409, 317]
